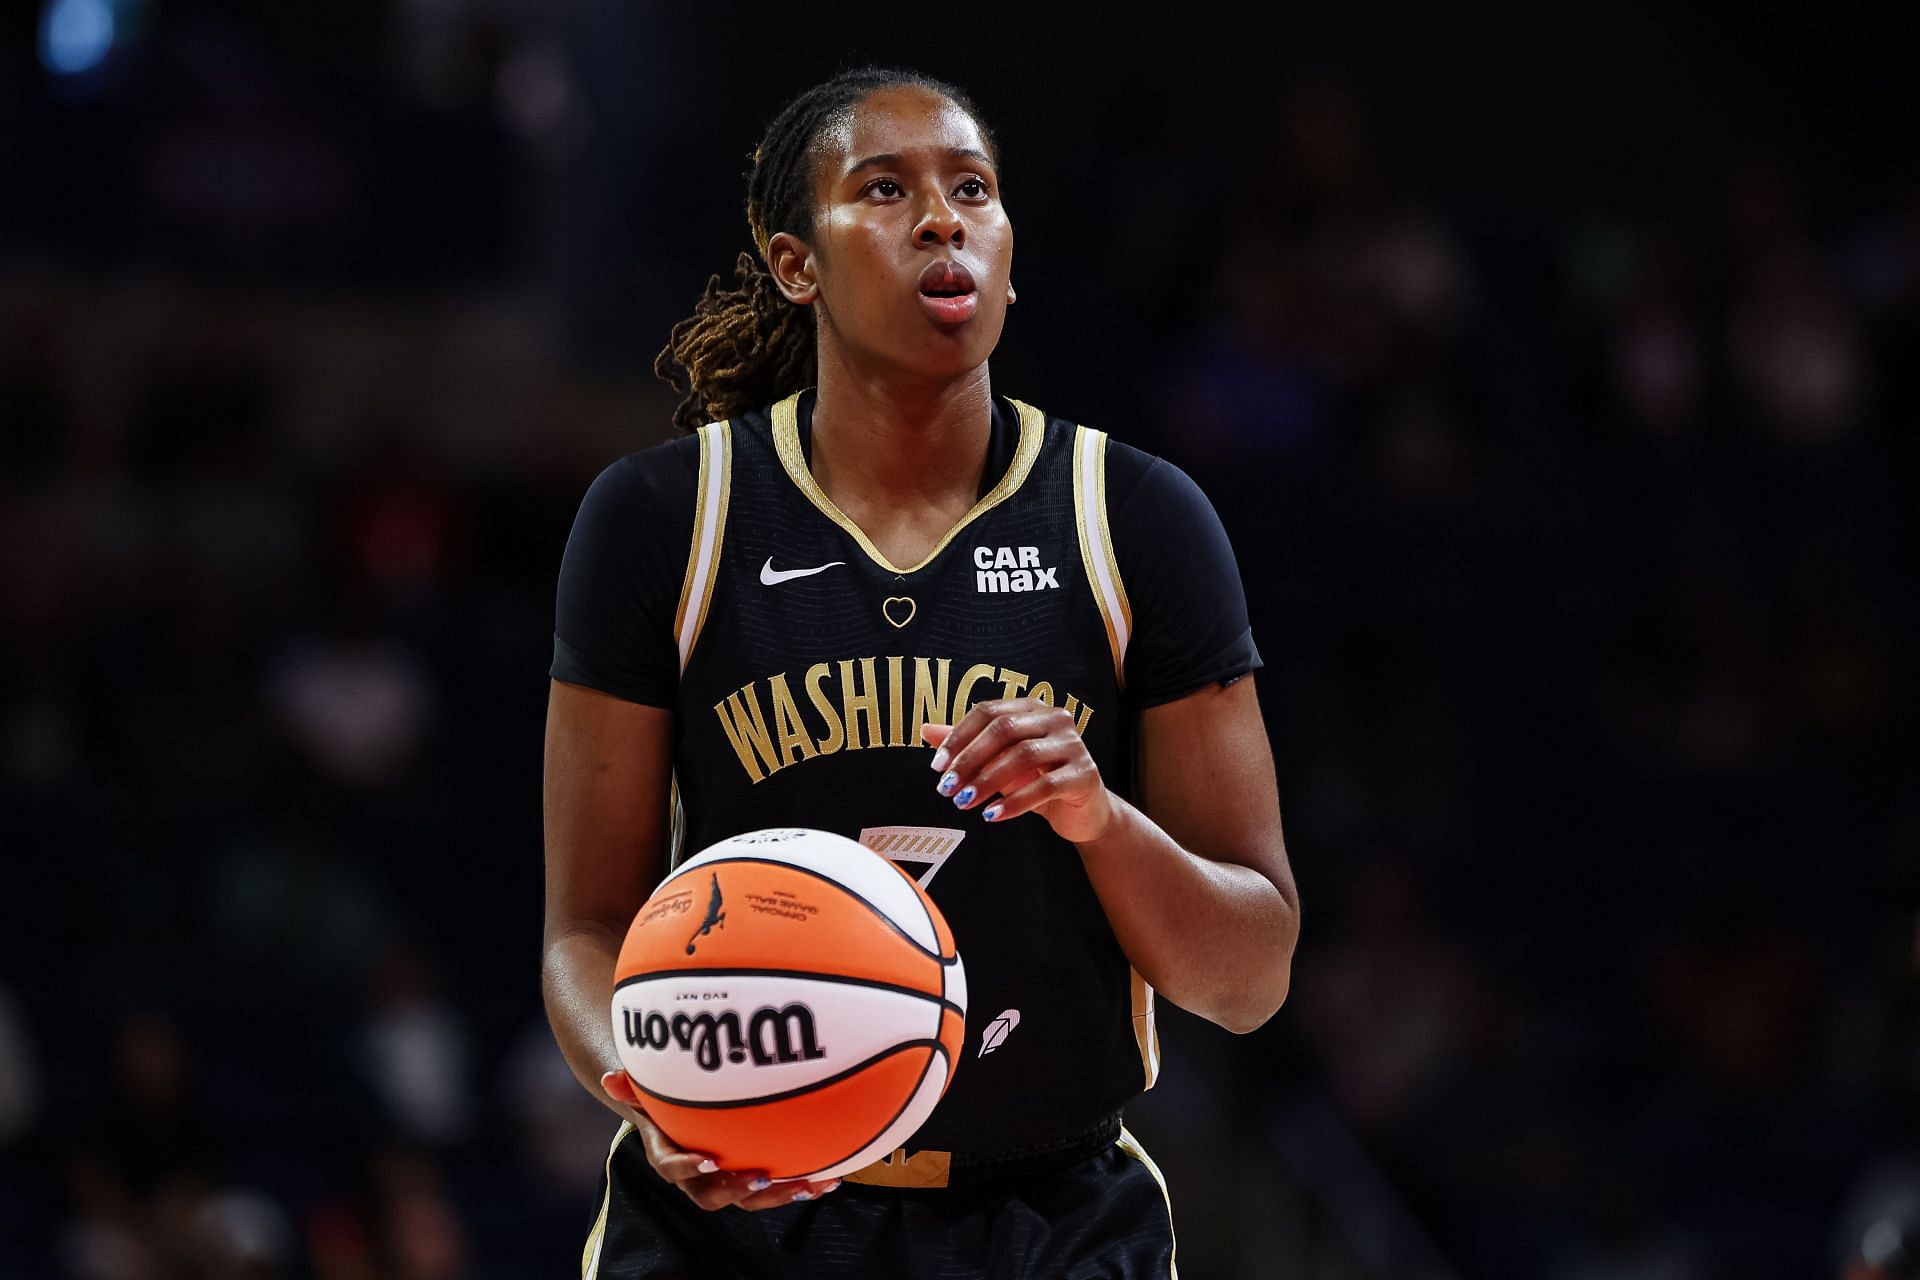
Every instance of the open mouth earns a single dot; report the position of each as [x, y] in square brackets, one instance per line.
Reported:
[947, 292]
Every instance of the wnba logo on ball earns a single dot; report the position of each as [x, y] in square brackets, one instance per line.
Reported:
[772, 1035]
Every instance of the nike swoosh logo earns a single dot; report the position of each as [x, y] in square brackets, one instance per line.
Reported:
[773, 577]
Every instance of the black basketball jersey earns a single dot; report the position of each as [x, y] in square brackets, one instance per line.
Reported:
[806, 663]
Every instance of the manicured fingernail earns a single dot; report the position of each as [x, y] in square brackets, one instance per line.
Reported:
[991, 813]
[940, 759]
[803, 1195]
[948, 783]
[760, 1184]
[707, 1166]
[965, 797]
[831, 1186]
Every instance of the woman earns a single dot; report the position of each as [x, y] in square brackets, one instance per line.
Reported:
[770, 621]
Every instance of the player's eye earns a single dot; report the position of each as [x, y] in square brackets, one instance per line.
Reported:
[973, 189]
[886, 188]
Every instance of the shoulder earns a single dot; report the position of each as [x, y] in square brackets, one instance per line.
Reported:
[1184, 600]
[1142, 492]
[1136, 478]
[620, 577]
[651, 489]
[636, 519]
[1147, 496]
[662, 472]
[1127, 472]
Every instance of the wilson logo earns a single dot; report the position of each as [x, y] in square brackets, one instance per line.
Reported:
[771, 1036]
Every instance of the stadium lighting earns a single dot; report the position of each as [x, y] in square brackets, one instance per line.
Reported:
[75, 35]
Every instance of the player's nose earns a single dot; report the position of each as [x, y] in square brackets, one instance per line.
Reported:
[939, 224]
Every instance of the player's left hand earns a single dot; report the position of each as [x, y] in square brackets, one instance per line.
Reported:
[698, 1175]
[1019, 755]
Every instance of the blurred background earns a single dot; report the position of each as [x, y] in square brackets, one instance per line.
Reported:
[1555, 370]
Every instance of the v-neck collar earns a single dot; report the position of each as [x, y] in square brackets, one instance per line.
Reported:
[1013, 445]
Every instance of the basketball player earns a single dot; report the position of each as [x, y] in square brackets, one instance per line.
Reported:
[862, 561]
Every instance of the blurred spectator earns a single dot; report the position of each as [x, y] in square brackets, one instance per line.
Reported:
[403, 1228]
[1879, 1235]
[415, 1052]
[557, 1120]
[1388, 1004]
[290, 897]
[145, 1207]
[1798, 353]
[19, 1073]
[355, 702]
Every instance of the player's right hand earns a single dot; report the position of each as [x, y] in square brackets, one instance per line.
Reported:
[703, 1181]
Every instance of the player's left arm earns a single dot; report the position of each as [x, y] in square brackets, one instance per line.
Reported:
[1200, 894]
[1195, 880]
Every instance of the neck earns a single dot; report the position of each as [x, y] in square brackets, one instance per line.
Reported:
[878, 436]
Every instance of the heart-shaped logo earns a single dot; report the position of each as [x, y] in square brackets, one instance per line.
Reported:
[887, 608]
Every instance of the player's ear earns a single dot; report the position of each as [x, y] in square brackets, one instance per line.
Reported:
[790, 262]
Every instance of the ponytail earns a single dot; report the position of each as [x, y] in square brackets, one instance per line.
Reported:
[741, 347]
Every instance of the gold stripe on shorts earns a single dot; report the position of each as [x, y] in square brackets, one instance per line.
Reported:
[590, 1255]
[1131, 1145]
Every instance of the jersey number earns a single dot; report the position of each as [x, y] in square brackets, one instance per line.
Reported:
[914, 847]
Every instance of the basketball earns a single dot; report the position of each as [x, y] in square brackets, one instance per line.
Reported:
[789, 1001]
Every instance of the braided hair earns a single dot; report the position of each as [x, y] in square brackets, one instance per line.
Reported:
[747, 345]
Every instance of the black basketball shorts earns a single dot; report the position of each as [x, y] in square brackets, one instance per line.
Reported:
[1105, 1216]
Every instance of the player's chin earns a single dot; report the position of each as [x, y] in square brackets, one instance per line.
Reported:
[942, 351]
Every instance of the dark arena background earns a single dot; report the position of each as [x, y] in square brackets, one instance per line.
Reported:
[1555, 369]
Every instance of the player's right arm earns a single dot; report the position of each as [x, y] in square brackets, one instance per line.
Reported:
[605, 815]
[605, 799]
[608, 763]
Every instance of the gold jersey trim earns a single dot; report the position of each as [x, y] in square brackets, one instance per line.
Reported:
[1096, 543]
[1146, 1034]
[709, 534]
[676, 821]
[786, 441]
[1131, 1145]
[590, 1255]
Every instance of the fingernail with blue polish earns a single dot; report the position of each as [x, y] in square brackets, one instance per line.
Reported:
[948, 783]
[965, 798]
[760, 1184]
[992, 813]
[940, 759]
[803, 1195]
